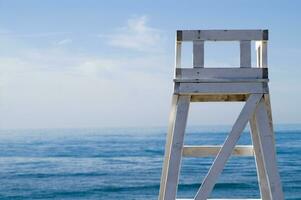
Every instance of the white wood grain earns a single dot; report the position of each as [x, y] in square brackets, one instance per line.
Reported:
[268, 151]
[262, 62]
[258, 53]
[177, 140]
[219, 80]
[220, 88]
[198, 54]
[169, 137]
[245, 53]
[267, 101]
[223, 73]
[221, 35]
[212, 150]
[262, 54]
[222, 84]
[261, 173]
[178, 53]
[225, 152]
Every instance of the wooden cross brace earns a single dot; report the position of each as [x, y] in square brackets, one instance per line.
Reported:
[199, 84]
[255, 111]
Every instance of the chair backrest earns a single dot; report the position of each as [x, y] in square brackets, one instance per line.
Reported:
[198, 37]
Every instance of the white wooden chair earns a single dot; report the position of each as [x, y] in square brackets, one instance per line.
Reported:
[244, 83]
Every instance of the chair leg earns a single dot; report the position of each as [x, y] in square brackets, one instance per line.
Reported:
[261, 173]
[168, 144]
[175, 141]
[266, 138]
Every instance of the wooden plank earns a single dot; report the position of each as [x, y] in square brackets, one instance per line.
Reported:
[221, 35]
[258, 53]
[212, 150]
[219, 80]
[169, 137]
[223, 73]
[267, 101]
[177, 140]
[225, 152]
[178, 53]
[198, 54]
[262, 62]
[219, 98]
[245, 53]
[261, 173]
[262, 54]
[268, 151]
[219, 88]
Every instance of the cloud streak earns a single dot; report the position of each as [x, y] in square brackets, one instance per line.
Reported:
[76, 87]
[136, 35]
[64, 42]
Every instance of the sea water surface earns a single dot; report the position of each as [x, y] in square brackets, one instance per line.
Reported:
[125, 163]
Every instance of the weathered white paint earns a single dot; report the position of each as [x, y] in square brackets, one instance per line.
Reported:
[212, 150]
[262, 54]
[268, 151]
[198, 54]
[219, 80]
[220, 88]
[178, 53]
[261, 173]
[221, 35]
[262, 62]
[245, 53]
[222, 73]
[176, 148]
[168, 145]
[201, 84]
[225, 152]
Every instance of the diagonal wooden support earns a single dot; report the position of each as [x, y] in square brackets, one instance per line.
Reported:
[266, 138]
[174, 150]
[199, 84]
[225, 152]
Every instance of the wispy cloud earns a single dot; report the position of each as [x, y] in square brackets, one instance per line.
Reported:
[78, 87]
[62, 89]
[64, 42]
[136, 35]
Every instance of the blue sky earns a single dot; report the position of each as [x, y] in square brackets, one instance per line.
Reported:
[110, 63]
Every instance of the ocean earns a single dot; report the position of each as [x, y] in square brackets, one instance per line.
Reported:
[125, 163]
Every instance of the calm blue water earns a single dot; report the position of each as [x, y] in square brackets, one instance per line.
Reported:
[126, 164]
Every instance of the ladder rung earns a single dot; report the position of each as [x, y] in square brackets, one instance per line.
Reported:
[212, 150]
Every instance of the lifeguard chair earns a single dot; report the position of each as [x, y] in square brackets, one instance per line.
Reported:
[244, 83]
